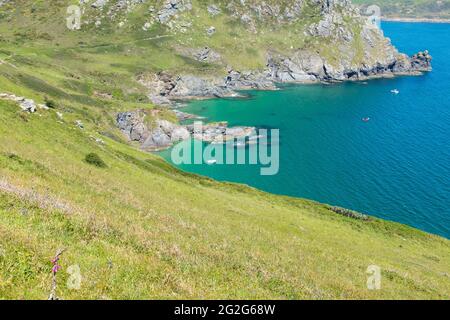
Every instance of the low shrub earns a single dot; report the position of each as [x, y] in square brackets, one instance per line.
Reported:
[50, 103]
[95, 160]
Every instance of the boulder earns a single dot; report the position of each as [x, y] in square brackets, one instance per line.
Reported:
[28, 105]
[132, 125]
[180, 134]
[214, 10]
[156, 140]
[421, 61]
[79, 124]
[99, 4]
[211, 31]
[193, 86]
[206, 54]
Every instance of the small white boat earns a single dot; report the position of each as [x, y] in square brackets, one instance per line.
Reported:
[211, 162]
[395, 91]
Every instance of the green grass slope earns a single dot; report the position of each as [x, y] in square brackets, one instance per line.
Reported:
[140, 229]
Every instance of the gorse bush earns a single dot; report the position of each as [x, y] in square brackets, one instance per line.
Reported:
[95, 160]
[50, 103]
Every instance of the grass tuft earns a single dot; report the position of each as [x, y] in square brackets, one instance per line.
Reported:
[95, 160]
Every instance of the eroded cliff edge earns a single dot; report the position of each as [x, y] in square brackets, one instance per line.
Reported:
[216, 48]
[337, 44]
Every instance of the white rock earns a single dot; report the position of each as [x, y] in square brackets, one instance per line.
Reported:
[180, 134]
[79, 124]
[211, 31]
[28, 105]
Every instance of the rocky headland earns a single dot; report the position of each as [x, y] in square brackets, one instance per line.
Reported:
[355, 49]
[319, 41]
[157, 134]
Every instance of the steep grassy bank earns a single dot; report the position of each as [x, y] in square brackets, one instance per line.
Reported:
[138, 228]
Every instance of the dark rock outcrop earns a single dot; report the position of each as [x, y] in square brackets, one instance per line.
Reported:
[237, 80]
[171, 8]
[346, 46]
[162, 134]
[310, 67]
[301, 67]
[163, 87]
[27, 105]
[421, 61]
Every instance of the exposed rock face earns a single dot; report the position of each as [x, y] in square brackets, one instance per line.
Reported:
[302, 67]
[355, 50]
[421, 61]
[306, 67]
[172, 8]
[99, 4]
[132, 125]
[214, 10]
[79, 124]
[163, 134]
[249, 11]
[164, 87]
[211, 31]
[248, 80]
[27, 105]
[376, 56]
[206, 54]
[195, 87]
[219, 132]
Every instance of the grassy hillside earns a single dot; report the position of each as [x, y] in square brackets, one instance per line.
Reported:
[428, 9]
[139, 228]
[135, 34]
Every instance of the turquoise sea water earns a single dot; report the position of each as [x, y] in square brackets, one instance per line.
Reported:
[396, 166]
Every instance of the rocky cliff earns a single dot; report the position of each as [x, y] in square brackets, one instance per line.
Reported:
[317, 40]
[190, 49]
[211, 48]
[161, 134]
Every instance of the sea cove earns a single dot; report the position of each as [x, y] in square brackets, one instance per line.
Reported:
[394, 165]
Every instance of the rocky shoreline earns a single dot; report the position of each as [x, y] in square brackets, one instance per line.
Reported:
[348, 53]
[343, 51]
[303, 67]
[166, 90]
[160, 134]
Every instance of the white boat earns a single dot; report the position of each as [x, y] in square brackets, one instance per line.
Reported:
[395, 91]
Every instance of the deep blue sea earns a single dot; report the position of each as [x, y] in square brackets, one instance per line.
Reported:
[396, 166]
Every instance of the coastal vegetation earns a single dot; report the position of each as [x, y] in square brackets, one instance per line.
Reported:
[136, 227]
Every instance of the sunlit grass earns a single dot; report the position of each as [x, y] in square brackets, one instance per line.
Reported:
[140, 228]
